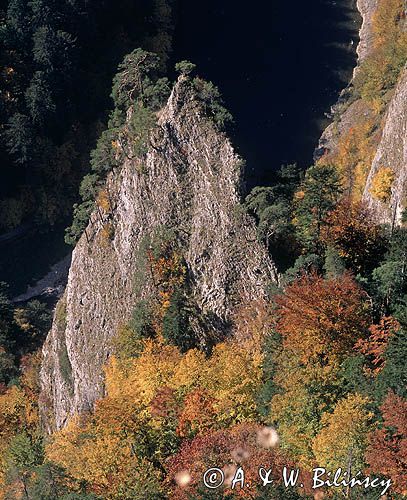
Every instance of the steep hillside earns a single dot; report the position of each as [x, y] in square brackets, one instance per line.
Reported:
[186, 185]
[367, 139]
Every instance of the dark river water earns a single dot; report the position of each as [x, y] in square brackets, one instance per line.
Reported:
[280, 65]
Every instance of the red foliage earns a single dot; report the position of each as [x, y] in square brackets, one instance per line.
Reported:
[164, 403]
[225, 449]
[387, 451]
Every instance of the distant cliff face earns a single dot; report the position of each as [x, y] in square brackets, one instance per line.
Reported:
[189, 179]
[366, 9]
[387, 138]
[391, 153]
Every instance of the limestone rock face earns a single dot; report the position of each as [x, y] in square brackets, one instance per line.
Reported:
[348, 116]
[189, 178]
[366, 9]
[392, 153]
[391, 150]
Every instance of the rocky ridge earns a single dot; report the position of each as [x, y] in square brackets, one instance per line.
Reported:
[189, 179]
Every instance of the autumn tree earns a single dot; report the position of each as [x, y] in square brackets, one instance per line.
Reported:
[319, 321]
[322, 318]
[387, 451]
[154, 401]
[227, 449]
[374, 347]
[341, 442]
[352, 231]
[382, 184]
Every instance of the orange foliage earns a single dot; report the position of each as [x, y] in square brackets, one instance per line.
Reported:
[103, 200]
[153, 401]
[353, 232]
[322, 319]
[198, 414]
[106, 233]
[375, 346]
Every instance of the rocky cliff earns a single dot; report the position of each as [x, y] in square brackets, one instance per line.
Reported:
[189, 180]
[392, 153]
[385, 143]
[345, 114]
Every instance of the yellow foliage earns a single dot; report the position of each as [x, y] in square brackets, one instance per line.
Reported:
[17, 412]
[343, 435]
[103, 200]
[382, 184]
[373, 85]
[387, 22]
[106, 233]
[101, 448]
[354, 155]
[93, 454]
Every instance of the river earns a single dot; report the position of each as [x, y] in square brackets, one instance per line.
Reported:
[280, 65]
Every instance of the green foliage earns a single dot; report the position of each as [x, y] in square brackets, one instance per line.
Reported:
[394, 374]
[8, 336]
[390, 277]
[136, 81]
[19, 136]
[103, 156]
[57, 62]
[272, 208]
[65, 365]
[135, 86]
[334, 265]
[176, 326]
[52, 50]
[49, 483]
[210, 97]
[304, 264]
[318, 195]
[39, 99]
[141, 122]
[34, 321]
[353, 378]
[81, 214]
[24, 452]
[185, 67]
[141, 319]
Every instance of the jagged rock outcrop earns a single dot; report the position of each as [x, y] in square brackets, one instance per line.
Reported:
[189, 179]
